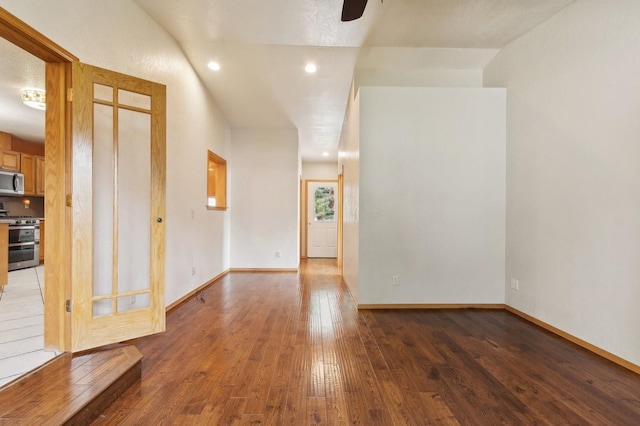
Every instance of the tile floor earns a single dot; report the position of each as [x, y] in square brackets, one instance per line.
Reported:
[22, 324]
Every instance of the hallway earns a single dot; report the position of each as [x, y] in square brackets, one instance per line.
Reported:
[287, 348]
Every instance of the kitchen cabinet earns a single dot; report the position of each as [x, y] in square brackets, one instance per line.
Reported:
[41, 240]
[10, 160]
[32, 167]
[28, 169]
[39, 175]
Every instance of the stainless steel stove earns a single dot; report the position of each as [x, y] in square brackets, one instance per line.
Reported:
[22, 220]
[24, 242]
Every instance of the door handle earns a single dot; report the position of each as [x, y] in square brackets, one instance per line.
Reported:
[159, 220]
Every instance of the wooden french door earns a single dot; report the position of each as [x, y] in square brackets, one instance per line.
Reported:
[117, 207]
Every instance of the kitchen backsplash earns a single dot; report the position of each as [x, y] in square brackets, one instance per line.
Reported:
[16, 206]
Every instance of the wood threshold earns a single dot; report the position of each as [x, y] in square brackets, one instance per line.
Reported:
[71, 389]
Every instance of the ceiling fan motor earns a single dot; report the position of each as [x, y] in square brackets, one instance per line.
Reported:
[352, 9]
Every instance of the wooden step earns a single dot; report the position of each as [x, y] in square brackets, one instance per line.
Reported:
[71, 389]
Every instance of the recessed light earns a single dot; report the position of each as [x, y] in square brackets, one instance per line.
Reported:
[214, 66]
[325, 154]
[310, 68]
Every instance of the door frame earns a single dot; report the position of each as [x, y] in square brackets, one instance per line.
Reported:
[340, 216]
[305, 216]
[57, 175]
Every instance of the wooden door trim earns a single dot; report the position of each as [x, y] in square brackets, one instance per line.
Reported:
[303, 210]
[57, 183]
[340, 217]
[27, 38]
[57, 172]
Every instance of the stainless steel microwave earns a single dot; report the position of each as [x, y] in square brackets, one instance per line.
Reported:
[11, 183]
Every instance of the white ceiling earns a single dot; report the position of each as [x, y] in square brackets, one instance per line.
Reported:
[263, 46]
[19, 70]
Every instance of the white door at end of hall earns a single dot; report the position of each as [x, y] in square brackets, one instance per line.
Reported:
[322, 219]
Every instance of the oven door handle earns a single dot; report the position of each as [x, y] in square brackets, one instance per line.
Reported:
[30, 243]
[11, 227]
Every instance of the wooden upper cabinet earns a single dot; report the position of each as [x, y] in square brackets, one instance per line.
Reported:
[39, 175]
[32, 167]
[10, 160]
[28, 169]
[19, 155]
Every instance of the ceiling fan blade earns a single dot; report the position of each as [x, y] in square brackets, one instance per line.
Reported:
[353, 9]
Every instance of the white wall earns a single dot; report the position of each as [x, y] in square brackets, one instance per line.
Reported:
[313, 170]
[117, 35]
[419, 77]
[264, 200]
[432, 195]
[573, 180]
[421, 66]
[349, 162]
[323, 170]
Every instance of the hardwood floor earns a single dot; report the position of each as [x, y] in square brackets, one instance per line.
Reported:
[291, 349]
[70, 390]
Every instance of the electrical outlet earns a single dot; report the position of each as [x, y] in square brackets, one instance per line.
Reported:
[395, 280]
[278, 253]
[193, 270]
[515, 285]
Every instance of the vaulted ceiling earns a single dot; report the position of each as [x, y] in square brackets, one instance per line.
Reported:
[263, 46]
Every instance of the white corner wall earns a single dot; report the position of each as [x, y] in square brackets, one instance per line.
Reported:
[118, 35]
[573, 181]
[432, 195]
[349, 163]
[264, 203]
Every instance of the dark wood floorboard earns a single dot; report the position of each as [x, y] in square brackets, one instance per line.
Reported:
[292, 349]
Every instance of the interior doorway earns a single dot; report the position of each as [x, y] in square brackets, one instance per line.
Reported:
[33, 61]
[74, 93]
[322, 218]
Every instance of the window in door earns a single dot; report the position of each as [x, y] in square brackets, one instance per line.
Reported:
[324, 202]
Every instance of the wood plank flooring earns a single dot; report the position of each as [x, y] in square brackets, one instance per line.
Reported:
[70, 390]
[292, 349]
